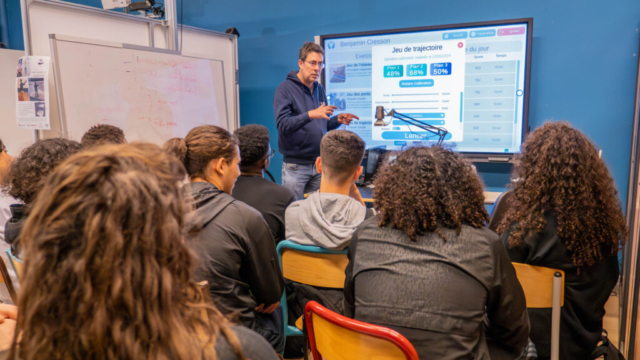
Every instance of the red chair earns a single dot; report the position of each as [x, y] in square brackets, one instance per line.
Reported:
[336, 337]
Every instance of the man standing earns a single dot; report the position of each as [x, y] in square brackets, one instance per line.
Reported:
[302, 118]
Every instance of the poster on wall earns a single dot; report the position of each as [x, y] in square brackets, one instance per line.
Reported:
[32, 93]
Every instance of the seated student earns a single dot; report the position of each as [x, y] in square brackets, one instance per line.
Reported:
[109, 275]
[327, 218]
[251, 188]
[565, 214]
[5, 199]
[103, 134]
[426, 267]
[237, 250]
[26, 177]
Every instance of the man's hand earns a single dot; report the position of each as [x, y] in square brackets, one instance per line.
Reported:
[267, 310]
[322, 112]
[8, 312]
[346, 118]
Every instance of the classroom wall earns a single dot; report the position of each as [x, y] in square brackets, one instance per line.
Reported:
[584, 61]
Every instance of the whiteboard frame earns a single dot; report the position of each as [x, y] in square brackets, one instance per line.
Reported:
[170, 41]
[53, 38]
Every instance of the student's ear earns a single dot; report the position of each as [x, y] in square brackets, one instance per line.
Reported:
[265, 163]
[300, 63]
[358, 172]
[218, 166]
[319, 165]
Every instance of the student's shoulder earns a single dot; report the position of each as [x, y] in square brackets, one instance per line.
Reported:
[253, 346]
[245, 212]
[277, 189]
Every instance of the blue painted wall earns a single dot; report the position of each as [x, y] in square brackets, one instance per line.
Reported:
[584, 62]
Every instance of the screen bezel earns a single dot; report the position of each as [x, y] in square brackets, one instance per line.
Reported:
[476, 156]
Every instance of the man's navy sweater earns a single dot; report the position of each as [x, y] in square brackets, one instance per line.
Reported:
[298, 135]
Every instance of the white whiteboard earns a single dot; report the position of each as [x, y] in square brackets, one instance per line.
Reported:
[45, 17]
[14, 138]
[153, 95]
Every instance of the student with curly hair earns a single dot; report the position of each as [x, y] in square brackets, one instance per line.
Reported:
[427, 267]
[26, 178]
[103, 134]
[565, 214]
[237, 250]
[252, 188]
[110, 276]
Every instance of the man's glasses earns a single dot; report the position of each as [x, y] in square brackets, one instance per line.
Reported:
[273, 153]
[315, 64]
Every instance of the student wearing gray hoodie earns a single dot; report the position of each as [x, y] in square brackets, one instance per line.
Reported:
[329, 217]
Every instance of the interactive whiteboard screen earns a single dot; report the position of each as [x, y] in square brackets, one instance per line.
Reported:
[471, 79]
[153, 95]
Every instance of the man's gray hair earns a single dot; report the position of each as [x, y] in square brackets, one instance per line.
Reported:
[308, 47]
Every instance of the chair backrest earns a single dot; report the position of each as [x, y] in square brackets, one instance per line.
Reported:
[499, 210]
[17, 264]
[544, 288]
[312, 265]
[6, 278]
[537, 283]
[336, 337]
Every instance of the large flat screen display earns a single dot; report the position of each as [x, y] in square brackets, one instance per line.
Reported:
[471, 79]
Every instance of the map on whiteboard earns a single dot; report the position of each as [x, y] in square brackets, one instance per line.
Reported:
[152, 96]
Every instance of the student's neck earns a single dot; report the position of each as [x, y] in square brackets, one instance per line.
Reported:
[309, 85]
[214, 182]
[255, 172]
[329, 187]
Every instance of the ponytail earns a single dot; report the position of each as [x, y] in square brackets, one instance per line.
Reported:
[201, 145]
[178, 148]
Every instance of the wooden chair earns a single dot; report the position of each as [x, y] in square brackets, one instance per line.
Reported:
[336, 337]
[310, 265]
[17, 264]
[6, 279]
[544, 288]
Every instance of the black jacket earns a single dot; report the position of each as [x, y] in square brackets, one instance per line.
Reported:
[439, 294]
[237, 252]
[267, 197]
[585, 293]
[13, 227]
[298, 135]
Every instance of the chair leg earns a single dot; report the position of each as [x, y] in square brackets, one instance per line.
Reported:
[555, 316]
[306, 350]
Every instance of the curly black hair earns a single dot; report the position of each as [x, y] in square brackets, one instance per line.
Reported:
[559, 171]
[29, 171]
[103, 134]
[253, 141]
[465, 187]
[427, 187]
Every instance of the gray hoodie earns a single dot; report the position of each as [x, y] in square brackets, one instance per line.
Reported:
[324, 219]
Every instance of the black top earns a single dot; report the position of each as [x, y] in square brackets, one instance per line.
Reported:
[298, 135]
[13, 227]
[585, 293]
[437, 293]
[237, 252]
[254, 346]
[267, 197]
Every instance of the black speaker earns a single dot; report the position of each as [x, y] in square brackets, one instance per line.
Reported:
[233, 31]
